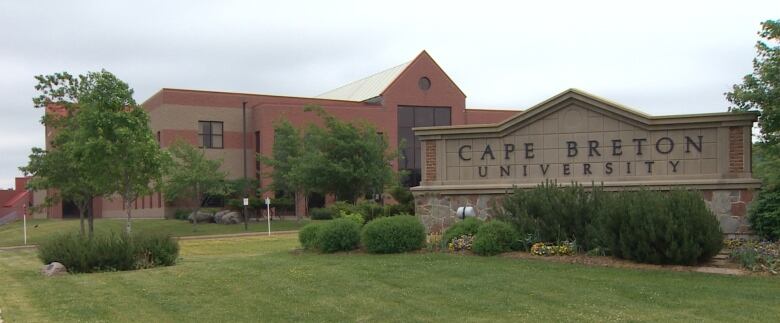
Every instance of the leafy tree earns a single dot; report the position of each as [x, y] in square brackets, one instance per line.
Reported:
[192, 176]
[117, 140]
[348, 159]
[760, 91]
[287, 150]
[65, 170]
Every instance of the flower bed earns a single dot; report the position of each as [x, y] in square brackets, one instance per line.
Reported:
[551, 249]
[755, 255]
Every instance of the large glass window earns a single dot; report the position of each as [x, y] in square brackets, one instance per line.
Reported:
[409, 144]
[210, 134]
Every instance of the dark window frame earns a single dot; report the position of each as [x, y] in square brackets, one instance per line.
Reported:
[207, 132]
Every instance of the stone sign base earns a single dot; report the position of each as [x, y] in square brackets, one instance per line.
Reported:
[437, 210]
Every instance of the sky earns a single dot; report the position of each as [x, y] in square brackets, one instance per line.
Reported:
[660, 57]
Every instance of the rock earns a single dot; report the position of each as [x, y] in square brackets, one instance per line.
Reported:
[202, 217]
[231, 218]
[54, 269]
[218, 216]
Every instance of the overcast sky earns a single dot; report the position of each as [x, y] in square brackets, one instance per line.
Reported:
[659, 57]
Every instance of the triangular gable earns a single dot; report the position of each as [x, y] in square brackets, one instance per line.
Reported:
[582, 99]
[423, 57]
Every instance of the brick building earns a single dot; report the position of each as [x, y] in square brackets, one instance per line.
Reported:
[414, 94]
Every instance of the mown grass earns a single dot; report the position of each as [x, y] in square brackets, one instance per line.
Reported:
[11, 234]
[262, 279]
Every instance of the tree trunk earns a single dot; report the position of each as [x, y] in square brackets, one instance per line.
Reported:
[129, 225]
[91, 218]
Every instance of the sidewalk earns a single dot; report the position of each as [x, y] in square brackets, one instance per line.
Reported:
[203, 237]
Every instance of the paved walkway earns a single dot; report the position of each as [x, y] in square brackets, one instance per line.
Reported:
[203, 237]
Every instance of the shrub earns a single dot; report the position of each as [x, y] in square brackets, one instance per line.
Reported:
[395, 209]
[339, 207]
[765, 214]
[153, 250]
[338, 235]
[354, 217]
[663, 228]
[555, 213]
[370, 210]
[321, 214]
[494, 237]
[394, 234]
[468, 226]
[309, 235]
[181, 214]
[109, 252]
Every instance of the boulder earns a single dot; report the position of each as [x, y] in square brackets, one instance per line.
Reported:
[218, 215]
[202, 217]
[231, 218]
[54, 269]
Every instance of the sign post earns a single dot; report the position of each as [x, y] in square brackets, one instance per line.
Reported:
[24, 221]
[268, 209]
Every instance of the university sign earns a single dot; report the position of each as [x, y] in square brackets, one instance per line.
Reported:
[577, 137]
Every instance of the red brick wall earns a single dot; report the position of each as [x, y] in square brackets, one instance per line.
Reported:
[736, 150]
[430, 161]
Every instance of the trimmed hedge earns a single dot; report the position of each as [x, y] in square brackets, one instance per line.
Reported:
[467, 227]
[109, 252]
[494, 237]
[765, 214]
[338, 235]
[309, 235]
[394, 234]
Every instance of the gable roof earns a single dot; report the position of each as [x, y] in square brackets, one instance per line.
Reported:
[366, 88]
[605, 106]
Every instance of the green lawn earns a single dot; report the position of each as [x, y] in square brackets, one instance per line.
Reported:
[262, 279]
[11, 234]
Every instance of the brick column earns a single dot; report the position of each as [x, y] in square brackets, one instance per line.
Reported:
[430, 160]
[736, 150]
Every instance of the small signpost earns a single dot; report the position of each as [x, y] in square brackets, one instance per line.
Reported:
[268, 209]
[24, 220]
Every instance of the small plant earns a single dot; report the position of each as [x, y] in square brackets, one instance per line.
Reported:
[338, 235]
[468, 226]
[756, 255]
[553, 249]
[352, 216]
[495, 237]
[181, 214]
[461, 243]
[433, 241]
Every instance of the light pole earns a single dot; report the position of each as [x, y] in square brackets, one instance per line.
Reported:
[246, 194]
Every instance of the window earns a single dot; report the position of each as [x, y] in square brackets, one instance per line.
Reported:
[210, 134]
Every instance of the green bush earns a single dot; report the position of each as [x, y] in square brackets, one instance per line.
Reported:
[309, 235]
[338, 235]
[765, 214]
[370, 210]
[339, 207]
[153, 250]
[494, 237]
[109, 252]
[321, 214]
[673, 227]
[354, 217]
[553, 213]
[467, 227]
[394, 234]
[181, 214]
[646, 226]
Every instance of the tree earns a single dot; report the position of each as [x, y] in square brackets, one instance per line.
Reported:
[286, 151]
[760, 91]
[117, 140]
[346, 159]
[64, 169]
[192, 176]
